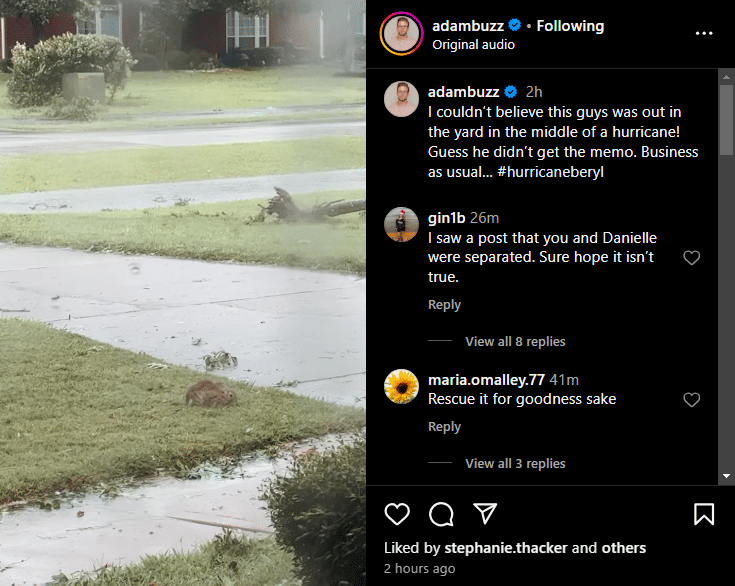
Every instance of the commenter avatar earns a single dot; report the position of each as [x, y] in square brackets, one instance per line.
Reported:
[401, 386]
[401, 224]
[405, 104]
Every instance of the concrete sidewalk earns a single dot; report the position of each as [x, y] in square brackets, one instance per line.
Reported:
[281, 324]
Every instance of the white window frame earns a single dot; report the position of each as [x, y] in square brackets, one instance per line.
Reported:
[236, 29]
[98, 19]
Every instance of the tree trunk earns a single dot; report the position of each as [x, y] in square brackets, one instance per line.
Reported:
[284, 207]
[339, 207]
[37, 23]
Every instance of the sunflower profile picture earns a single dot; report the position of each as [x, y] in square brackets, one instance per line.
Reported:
[401, 386]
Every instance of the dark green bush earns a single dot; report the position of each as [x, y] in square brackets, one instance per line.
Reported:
[268, 56]
[250, 58]
[319, 512]
[83, 109]
[177, 60]
[234, 58]
[37, 71]
[147, 62]
[197, 57]
[6, 65]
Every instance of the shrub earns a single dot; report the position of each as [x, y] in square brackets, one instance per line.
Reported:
[291, 54]
[234, 58]
[319, 514]
[83, 109]
[197, 57]
[6, 65]
[250, 57]
[37, 71]
[268, 56]
[176, 60]
[147, 62]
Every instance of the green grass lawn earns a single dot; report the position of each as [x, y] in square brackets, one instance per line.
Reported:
[234, 88]
[217, 232]
[186, 91]
[226, 560]
[131, 122]
[76, 412]
[51, 171]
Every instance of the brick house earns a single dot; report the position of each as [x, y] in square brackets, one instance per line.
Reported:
[317, 34]
[120, 19]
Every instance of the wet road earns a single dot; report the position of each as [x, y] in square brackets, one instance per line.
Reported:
[130, 197]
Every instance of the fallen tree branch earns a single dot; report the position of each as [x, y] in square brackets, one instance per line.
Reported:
[286, 209]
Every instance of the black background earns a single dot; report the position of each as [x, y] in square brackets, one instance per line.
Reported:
[642, 332]
[661, 519]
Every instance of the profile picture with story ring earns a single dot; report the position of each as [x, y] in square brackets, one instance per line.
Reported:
[401, 34]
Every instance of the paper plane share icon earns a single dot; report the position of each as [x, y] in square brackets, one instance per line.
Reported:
[486, 509]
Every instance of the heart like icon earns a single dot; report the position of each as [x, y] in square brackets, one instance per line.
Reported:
[691, 256]
[691, 399]
[397, 506]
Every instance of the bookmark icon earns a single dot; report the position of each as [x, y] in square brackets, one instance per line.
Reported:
[704, 512]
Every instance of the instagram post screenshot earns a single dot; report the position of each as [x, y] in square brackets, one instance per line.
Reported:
[183, 292]
[552, 320]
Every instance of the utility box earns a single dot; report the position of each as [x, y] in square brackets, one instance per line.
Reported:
[83, 85]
